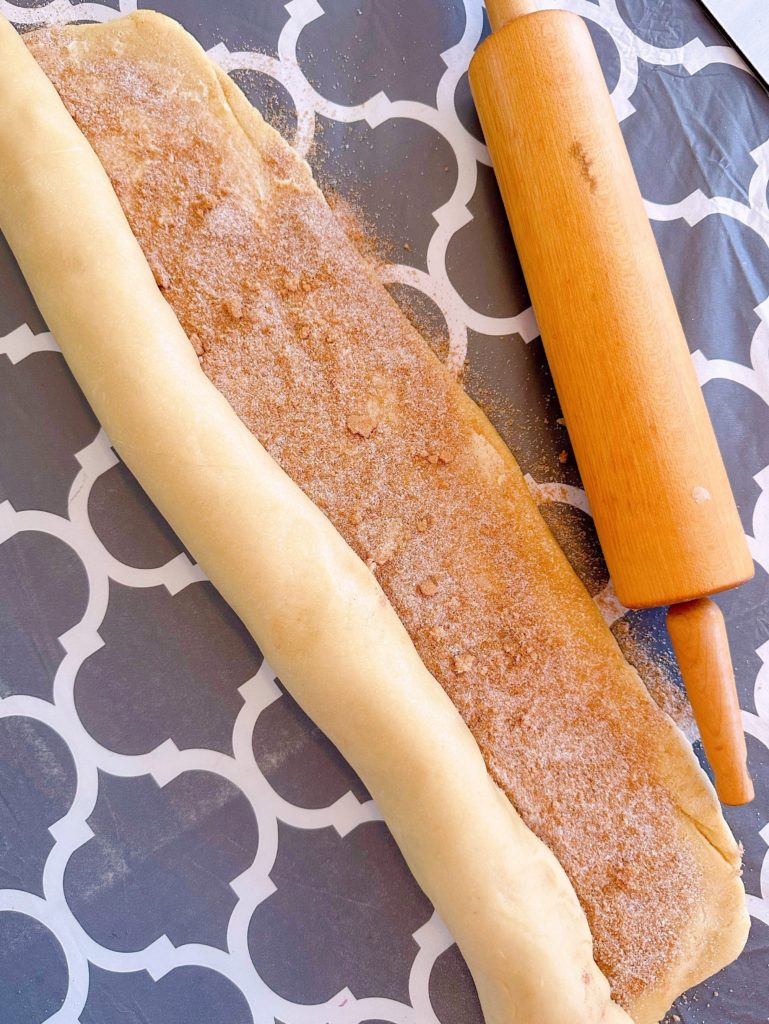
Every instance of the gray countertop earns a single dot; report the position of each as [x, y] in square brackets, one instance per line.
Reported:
[178, 843]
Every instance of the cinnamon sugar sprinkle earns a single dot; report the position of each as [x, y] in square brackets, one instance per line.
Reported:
[315, 357]
[659, 673]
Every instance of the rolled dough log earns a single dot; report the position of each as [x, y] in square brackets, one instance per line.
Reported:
[314, 608]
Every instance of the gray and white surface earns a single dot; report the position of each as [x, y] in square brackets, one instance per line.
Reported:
[178, 843]
[747, 25]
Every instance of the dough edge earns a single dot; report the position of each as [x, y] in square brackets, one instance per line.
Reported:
[194, 458]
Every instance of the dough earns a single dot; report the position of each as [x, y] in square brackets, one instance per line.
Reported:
[315, 609]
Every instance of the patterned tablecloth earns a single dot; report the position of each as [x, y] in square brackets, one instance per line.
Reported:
[178, 843]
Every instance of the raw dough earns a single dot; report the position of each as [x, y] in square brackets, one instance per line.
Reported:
[316, 611]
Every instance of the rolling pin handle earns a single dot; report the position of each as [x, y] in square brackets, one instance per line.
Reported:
[501, 12]
[698, 634]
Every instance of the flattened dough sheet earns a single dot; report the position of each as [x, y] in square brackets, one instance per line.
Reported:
[314, 608]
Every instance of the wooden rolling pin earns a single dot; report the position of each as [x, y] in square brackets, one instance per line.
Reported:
[644, 443]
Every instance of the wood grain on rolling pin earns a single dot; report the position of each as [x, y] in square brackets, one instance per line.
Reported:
[698, 632]
[633, 407]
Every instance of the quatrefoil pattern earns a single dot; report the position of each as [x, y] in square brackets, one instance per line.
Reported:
[178, 843]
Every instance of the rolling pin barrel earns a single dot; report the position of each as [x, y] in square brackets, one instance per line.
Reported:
[636, 417]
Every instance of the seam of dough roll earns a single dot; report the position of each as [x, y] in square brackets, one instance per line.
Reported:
[317, 612]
